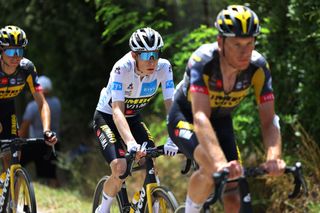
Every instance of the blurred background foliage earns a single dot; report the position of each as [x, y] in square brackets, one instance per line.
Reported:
[76, 43]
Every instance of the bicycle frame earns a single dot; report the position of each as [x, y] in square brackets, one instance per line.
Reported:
[9, 193]
[151, 181]
[15, 164]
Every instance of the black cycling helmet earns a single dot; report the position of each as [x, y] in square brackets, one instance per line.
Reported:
[13, 36]
[145, 39]
[237, 21]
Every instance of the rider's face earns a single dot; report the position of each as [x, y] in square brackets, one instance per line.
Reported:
[237, 51]
[147, 67]
[11, 61]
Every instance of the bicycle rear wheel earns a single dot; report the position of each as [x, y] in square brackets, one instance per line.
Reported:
[116, 206]
[163, 200]
[24, 197]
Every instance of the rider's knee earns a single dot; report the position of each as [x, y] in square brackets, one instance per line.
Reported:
[118, 167]
[205, 176]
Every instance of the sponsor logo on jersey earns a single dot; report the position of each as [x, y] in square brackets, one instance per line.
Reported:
[186, 134]
[13, 81]
[130, 86]
[219, 99]
[11, 91]
[4, 81]
[169, 84]
[267, 97]
[199, 89]
[116, 86]
[122, 152]
[184, 130]
[148, 88]
[185, 125]
[117, 70]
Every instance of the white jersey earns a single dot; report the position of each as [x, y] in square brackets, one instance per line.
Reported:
[127, 86]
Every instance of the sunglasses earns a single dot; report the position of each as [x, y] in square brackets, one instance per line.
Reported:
[12, 52]
[146, 56]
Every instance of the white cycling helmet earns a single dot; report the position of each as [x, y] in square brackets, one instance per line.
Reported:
[145, 39]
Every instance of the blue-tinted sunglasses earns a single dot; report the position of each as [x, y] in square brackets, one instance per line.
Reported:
[13, 52]
[146, 56]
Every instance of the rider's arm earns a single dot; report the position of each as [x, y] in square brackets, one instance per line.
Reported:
[121, 122]
[202, 126]
[270, 132]
[43, 109]
[24, 129]
[168, 104]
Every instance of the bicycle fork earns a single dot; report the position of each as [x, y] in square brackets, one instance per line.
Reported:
[245, 197]
[145, 196]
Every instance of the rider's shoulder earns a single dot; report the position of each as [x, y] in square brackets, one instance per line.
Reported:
[164, 64]
[124, 64]
[26, 64]
[258, 59]
[203, 54]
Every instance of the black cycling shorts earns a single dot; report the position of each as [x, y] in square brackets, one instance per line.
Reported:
[8, 121]
[181, 131]
[111, 144]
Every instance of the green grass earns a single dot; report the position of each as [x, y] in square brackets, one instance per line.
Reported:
[60, 200]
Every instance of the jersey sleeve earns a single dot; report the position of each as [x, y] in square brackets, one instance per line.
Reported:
[32, 77]
[117, 77]
[198, 80]
[167, 83]
[262, 83]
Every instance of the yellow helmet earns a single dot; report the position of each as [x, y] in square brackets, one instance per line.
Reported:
[13, 36]
[237, 21]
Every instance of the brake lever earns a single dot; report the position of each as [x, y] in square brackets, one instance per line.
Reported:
[299, 181]
[130, 160]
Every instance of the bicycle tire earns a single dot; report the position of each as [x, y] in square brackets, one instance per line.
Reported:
[167, 203]
[24, 193]
[116, 205]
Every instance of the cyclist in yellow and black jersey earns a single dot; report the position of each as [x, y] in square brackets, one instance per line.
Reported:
[15, 73]
[207, 78]
[217, 78]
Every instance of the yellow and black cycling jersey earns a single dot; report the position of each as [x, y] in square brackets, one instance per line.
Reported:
[10, 87]
[203, 75]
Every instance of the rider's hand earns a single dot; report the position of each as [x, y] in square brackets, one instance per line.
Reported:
[234, 167]
[134, 146]
[274, 167]
[170, 148]
[50, 137]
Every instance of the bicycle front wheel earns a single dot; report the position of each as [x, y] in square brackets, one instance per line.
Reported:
[116, 206]
[163, 200]
[23, 200]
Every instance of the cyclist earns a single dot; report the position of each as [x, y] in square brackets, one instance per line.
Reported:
[133, 82]
[15, 72]
[218, 76]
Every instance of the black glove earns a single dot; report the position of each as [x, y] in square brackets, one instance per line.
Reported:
[48, 135]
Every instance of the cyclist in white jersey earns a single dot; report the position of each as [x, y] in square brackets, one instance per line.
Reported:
[133, 82]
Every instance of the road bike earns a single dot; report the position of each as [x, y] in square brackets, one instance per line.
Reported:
[221, 178]
[152, 197]
[17, 193]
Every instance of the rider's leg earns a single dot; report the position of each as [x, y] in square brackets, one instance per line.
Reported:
[231, 198]
[113, 185]
[200, 183]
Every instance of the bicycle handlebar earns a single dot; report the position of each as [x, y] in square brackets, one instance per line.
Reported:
[21, 141]
[221, 178]
[130, 157]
